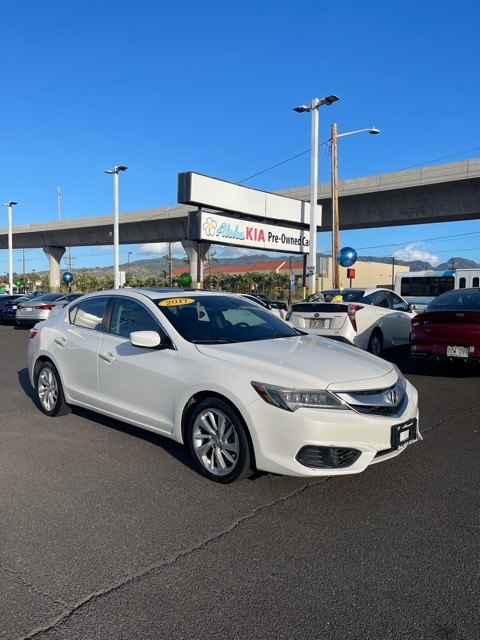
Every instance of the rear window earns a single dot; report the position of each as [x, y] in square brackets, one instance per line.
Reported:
[348, 295]
[457, 300]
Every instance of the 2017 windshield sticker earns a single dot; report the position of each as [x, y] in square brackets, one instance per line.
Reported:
[175, 302]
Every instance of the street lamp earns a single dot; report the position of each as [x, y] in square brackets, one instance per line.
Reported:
[335, 216]
[314, 223]
[10, 204]
[116, 253]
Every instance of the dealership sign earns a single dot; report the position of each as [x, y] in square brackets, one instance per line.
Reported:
[221, 229]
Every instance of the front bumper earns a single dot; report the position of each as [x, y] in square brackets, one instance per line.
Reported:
[314, 442]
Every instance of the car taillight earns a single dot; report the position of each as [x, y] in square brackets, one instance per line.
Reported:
[33, 332]
[44, 307]
[352, 310]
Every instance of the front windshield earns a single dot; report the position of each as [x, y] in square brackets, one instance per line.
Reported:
[220, 319]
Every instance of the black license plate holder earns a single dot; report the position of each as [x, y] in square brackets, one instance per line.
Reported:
[404, 434]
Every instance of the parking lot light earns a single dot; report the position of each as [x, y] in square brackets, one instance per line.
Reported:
[314, 222]
[116, 251]
[10, 204]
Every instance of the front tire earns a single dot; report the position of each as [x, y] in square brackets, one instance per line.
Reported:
[375, 344]
[218, 442]
[50, 391]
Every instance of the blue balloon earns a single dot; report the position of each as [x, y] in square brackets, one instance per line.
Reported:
[346, 257]
[67, 276]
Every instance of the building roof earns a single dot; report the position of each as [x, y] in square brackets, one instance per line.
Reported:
[280, 266]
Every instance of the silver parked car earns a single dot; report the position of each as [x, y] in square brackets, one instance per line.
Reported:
[42, 307]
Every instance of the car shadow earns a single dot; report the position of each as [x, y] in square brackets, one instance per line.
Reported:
[401, 357]
[175, 449]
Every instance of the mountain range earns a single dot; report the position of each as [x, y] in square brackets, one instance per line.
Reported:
[155, 266]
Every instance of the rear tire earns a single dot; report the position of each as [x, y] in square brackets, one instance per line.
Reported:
[50, 392]
[218, 442]
[375, 344]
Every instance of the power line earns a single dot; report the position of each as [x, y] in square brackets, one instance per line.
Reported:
[459, 235]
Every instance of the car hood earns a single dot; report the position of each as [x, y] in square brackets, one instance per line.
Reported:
[312, 361]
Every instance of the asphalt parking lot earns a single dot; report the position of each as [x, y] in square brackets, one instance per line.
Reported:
[108, 533]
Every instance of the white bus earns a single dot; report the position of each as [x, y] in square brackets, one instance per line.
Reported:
[421, 287]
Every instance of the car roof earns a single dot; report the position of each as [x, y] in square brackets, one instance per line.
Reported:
[365, 290]
[49, 296]
[156, 292]
[20, 297]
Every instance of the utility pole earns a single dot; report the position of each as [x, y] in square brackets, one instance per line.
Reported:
[335, 223]
[169, 264]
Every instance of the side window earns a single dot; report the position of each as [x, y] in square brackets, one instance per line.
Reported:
[396, 303]
[129, 315]
[378, 299]
[88, 314]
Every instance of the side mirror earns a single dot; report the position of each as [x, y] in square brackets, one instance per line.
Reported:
[148, 339]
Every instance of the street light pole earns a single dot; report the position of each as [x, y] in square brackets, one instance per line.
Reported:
[335, 216]
[314, 221]
[10, 204]
[59, 216]
[116, 252]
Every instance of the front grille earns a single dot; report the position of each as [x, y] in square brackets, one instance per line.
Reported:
[327, 457]
[380, 410]
[389, 401]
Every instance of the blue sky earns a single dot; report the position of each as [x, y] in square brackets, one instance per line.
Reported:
[209, 87]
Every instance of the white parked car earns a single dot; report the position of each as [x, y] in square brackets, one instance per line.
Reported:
[240, 387]
[371, 319]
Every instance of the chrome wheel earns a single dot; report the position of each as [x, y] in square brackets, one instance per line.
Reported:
[218, 442]
[50, 392]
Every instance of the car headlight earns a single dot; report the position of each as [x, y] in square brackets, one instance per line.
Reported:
[293, 399]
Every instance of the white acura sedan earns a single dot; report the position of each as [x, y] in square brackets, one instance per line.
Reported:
[240, 387]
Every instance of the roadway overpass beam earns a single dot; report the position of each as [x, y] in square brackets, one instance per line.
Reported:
[54, 255]
[196, 252]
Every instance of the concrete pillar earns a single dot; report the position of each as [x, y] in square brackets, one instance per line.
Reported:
[54, 255]
[196, 252]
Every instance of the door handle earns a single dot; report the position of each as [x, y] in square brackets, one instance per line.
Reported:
[108, 357]
[61, 341]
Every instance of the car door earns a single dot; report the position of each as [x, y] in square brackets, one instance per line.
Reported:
[401, 318]
[385, 319]
[75, 348]
[392, 317]
[136, 384]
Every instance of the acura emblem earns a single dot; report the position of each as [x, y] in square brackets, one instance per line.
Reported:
[391, 396]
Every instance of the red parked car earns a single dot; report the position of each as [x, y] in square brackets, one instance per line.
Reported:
[448, 329]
